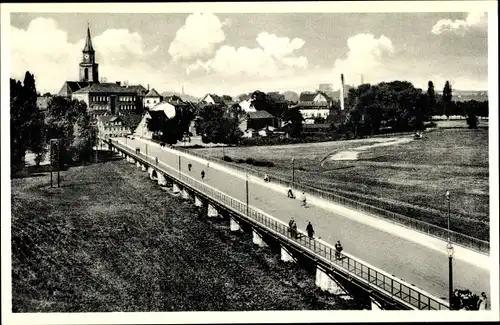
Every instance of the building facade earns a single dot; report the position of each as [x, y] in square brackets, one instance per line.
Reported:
[151, 99]
[111, 126]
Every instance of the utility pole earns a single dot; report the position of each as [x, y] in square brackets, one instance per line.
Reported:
[246, 177]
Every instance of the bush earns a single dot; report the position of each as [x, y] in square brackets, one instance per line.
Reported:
[227, 158]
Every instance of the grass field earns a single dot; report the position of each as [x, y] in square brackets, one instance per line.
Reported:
[111, 240]
[409, 178]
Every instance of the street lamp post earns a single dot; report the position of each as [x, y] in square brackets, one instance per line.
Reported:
[246, 184]
[450, 250]
[448, 200]
[293, 172]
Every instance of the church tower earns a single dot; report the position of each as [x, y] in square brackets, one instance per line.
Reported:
[88, 68]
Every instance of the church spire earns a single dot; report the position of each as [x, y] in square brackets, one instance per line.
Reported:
[88, 42]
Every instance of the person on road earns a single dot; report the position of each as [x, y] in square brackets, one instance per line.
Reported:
[266, 177]
[189, 166]
[304, 199]
[290, 193]
[208, 164]
[156, 160]
[202, 174]
[310, 230]
[338, 249]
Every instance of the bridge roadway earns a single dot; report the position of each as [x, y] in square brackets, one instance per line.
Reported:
[419, 265]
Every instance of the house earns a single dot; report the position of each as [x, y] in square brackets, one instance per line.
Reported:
[151, 98]
[213, 99]
[167, 108]
[108, 99]
[256, 120]
[142, 129]
[174, 99]
[111, 126]
[313, 105]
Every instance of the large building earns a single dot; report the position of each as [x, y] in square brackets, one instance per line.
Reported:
[314, 105]
[102, 98]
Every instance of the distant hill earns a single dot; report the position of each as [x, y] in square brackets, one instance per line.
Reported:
[184, 97]
[465, 95]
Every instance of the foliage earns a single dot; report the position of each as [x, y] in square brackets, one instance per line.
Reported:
[471, 119]
[174, 129]
[431, 99]
[447, 95]
[294, 120]
[217, 127]
[131, 120]
[68, 120]
[26, 122]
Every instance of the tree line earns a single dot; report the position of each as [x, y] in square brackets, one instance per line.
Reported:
[31, 130]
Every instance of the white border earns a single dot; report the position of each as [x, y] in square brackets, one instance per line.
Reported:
[264, 316]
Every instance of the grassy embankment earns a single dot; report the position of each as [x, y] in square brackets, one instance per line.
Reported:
[409, 178]
[111, 240]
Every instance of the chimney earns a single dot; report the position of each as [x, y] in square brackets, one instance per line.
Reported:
[362, 79]
[118, 83]
[148, 87]
[341, 91]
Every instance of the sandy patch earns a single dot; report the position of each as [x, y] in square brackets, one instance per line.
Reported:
[353, 154]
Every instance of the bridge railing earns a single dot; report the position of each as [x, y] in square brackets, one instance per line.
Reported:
[391, 286]
[418, 225]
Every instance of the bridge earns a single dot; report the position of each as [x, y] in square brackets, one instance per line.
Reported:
[247, 200]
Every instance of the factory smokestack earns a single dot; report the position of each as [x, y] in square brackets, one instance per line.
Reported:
[341, 91]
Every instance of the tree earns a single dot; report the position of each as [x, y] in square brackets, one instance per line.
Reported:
[217, 127]
[227, 98]
[243, 97]
[431, 100]
[294, 120]
[471, 119]
[447, 95]
[291, 96]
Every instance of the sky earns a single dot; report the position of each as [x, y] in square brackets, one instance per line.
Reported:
[238, 53]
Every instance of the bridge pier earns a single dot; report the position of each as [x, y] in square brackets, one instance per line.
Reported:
[233, 224]
[326, 282]
[212, 211]
[375, 305]
[197, 202]
[286, 256]
[138, 164]
[175, 188]
[132, 160]
[144, 168]
[257, 239]
[161, 179]
[185, 194]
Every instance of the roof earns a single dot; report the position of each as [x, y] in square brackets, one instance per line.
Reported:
[317, 126]
[105, 88]
[152, 93]
[173, 98]
[157, 114]
[259, 115]
[306, 97]
[70, 87]
[88, 43]
[217, 99]
[328, 97]
[139, 89]
[312, 105]
[165, 107]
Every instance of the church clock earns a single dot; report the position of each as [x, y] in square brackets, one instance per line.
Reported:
[86, 56]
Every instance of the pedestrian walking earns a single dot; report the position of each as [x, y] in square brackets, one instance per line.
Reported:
[202, 174]
[266, 178]
[310, 230]
[338, 249]
[156, 160]
[304, 199]
[208, 164]
[290, 193]
[482, 303]
[189, 166]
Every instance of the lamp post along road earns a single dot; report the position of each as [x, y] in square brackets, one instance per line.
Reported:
[293, 172]
[246, 185]
[450, 251]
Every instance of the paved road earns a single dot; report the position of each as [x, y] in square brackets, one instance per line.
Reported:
[414, 263]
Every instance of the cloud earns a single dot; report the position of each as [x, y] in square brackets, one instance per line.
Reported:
[275, 56]
[366, 55]
[474, 20]
[44, 49]
[197, 37]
